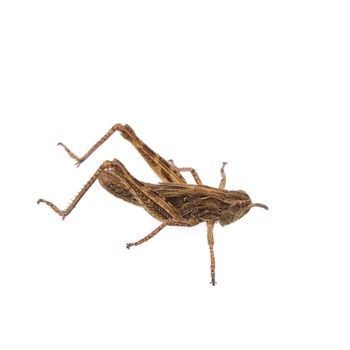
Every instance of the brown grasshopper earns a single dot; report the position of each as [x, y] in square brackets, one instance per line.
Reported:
[173, 202]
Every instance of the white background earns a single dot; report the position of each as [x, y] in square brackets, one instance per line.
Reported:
[263, 85]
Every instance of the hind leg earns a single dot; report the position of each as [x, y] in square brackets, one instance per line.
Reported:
[165, 171]
[145, 197]
[71, 206]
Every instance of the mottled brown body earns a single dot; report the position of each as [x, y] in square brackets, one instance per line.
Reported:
[173, 201]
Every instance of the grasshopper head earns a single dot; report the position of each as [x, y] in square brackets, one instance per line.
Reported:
[240, 204]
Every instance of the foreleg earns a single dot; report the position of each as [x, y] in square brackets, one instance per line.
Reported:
[223, 176]
[210, 235]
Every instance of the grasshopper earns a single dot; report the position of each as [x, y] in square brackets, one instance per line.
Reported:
[173, 201]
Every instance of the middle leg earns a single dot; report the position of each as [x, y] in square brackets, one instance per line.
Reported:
[149, 236]
[168, 222]
[210, 230]
[188, 169]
